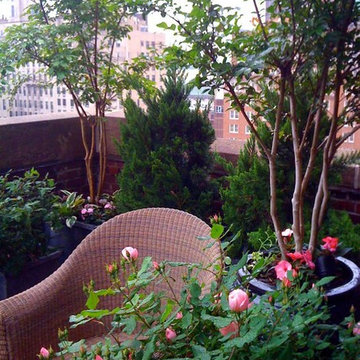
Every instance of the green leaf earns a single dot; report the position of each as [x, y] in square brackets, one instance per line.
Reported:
[130, 325]
[216, 231]
[92, 301]
[325, 281]
[168, 309]
[195, 290]
[149, 349]
[145, 265]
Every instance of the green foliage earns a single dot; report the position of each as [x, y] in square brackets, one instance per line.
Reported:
[246, 192]
[262, 239]
[166, 153]
[290, 322]
[26, 203]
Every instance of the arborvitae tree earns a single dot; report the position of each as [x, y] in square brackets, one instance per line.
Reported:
[166, 152]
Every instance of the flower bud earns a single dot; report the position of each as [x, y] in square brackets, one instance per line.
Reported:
[179, 315]
[170, 334]
[238, 300]
[44, 353]
[156, 265]
[233, 327]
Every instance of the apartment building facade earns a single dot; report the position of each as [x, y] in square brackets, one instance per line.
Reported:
[36, 96]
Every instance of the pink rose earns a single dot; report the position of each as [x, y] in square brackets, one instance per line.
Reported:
[90, 210]
[238, 300]
[110, 268]
[98, 357]
[170, 334]
[130, 253]
[330, 243]
[282, 268]
[108, 206]
[233, 327]
[156, 265]
[179, 315]
[356, 329]
[44, 353]
[83, 211]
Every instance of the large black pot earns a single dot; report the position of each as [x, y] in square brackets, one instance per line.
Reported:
[67, 239]
[340, 298]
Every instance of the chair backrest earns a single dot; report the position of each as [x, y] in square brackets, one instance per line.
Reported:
[163, 234]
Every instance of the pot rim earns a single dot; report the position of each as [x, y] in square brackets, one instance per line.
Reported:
[351, 284]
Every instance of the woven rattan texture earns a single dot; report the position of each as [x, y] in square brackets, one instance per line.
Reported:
[31, 319]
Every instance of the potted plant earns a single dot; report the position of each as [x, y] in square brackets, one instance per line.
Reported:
[302, 49]
[26, 204]
[74, 218]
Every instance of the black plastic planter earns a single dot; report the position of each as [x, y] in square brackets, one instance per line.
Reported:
[68, 239]
[340, 298]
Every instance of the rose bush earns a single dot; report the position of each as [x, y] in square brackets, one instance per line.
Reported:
[291, 322]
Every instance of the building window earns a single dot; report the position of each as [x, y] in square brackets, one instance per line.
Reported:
[46, 105]
[40, 91]
[64, 102]
[233, 128]
[250, 115]
[29, 104]
[147, 44]
[72, 103]
[141, 43]
[59, 102]
[153, 77]
[12, 11]
[51, 106]
[4, 104]
[51, 92]
[218, 109]
[153, 44]
[234, 115]
[247, 130]
[58, 90]
[41, 104]
[350, 139]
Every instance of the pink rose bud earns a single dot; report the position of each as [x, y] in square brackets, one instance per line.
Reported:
[83, 211]
[98, 357]
[130, 253]
[90, 210]
[44, 353]
[108, 206]
[110, 268]
[170, 334]
[231, 328]
[156, 265]
[179, 315]
[238, 300]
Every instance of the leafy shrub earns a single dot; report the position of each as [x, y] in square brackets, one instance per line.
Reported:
[26, 203]
[166, 153]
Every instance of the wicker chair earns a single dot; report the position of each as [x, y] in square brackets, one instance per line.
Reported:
[31, 319]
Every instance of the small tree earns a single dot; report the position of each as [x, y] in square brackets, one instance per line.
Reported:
[304, 42]
[74, 42]
[166, 152]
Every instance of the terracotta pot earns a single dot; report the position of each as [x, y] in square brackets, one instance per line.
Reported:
[340, 298]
